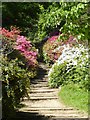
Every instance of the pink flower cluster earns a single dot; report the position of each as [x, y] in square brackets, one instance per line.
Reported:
[10, 34]
[71, 40]
[19, 43]
[50, 47]
[53, 38]
[25, 49]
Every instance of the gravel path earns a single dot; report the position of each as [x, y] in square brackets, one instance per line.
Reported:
[44, 103]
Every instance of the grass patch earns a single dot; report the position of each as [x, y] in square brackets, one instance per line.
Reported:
[74, 96]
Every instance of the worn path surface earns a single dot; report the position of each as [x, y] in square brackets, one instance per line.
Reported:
[44, 103]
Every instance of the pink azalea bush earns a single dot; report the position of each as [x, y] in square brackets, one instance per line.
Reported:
[10, 34]
[54, 46]
[19, 66]
[48, 48]
[12, 40]
[53, 38]
[25, 48]
[8, 38]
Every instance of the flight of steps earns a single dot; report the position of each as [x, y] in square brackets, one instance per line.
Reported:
[44, 102]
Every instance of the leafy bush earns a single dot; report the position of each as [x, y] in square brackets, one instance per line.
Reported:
[21, 16]
[24, 15]
[48, 20]
[72, 66]
[70, 17]
[18, 66]
[57, 75]
[15, 84]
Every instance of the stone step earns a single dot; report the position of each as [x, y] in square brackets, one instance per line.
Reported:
[61, 118]
[42, 76]
[49, 103]
[44, 66]
[49, 109]
[38, 85]
[60, 108]
[41, 98]
[64, 115]
[43, 94]
[46, 75]
[39, 82]
[43, 90]
[52, 112]
[39, 88]
[59, 114]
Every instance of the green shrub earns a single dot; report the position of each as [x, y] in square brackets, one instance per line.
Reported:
[21, 16]
[15, 84]
[57, 75]
[48, 19]
[71, 17]
[24, 15]
[71, 67]
[61, 76]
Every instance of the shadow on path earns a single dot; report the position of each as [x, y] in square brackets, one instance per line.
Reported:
[27, 116]
[40, 74]
[36, 116]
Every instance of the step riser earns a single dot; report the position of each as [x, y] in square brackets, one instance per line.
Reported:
[39, 88]
[39, 82]
[50, 109]
[42, 96]
[40, 85]
[65, 118]
[37, 99]
[40, 92]
[57, 115]
[53, 112]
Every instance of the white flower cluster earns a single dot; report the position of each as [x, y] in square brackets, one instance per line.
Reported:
[71, 55]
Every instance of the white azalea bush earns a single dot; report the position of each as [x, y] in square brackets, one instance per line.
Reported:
[72, 66]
